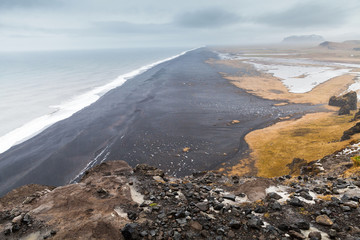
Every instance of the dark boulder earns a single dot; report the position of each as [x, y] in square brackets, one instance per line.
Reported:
[148, 170]
[130, 231]
[356, 116]
[314, 236]
[344, 110]
[349, 99]
[351, 131]
[296, 165]
[235, 224]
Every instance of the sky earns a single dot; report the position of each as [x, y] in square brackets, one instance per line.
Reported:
[87, 24]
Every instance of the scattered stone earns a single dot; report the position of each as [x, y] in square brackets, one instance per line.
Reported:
[186, 149]
[296, 235]
[332, 233]
[296, 202]
[132, 215]
[275, 206]
[234, 224]
[102, 193]
[231, 197]
[196, 225]
[303, 225]
[203, 206]
[18, 219]
[219, 206]
[255, 223]
[324, 220]
[181, 221]
[273, 195]
[314, 236]
[194, 208]
[29, 200]
[7, 229]
[352, 204]
[306, 196]
[346, 208]
[148, 170]
[130, 231]
[231, 234]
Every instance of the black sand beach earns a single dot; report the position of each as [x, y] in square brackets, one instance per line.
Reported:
[150, 119]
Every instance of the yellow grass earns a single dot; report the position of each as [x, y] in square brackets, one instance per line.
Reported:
[352, 172]
[269, 87]
[241, 168]
[311, 137]
[325, 197]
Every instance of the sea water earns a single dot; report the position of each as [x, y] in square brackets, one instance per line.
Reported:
[41, 88]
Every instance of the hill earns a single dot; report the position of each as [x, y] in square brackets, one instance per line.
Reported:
[303, 39]
[346, 45]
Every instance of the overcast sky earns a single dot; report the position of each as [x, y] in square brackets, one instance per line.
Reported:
[69, 24]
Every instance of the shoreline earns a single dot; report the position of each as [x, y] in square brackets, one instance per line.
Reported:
[182, 103]
[67, 109]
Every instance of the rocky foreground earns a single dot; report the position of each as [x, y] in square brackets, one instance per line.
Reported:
[114, 201]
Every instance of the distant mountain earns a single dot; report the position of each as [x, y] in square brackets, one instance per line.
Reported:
[303, 39]
[346, 45]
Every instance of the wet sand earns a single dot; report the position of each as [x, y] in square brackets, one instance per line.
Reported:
[183, 103]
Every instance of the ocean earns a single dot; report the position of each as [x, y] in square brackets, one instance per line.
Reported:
[41, 88]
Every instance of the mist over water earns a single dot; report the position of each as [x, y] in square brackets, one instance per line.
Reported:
[41, 88]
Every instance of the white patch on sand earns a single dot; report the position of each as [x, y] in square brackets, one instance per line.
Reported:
[135, 195]
[288, 70]
[289, 75]
[32, 236]
[349, 150]
[281, 190]
[120, 212]
[351, 192]
[324, 236]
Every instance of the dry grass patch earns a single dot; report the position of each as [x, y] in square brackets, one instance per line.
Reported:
[240, 169]
[270, 87]
[311, 137]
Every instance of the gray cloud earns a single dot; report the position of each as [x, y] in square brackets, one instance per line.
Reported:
[16, 4]
[120, 27]
[65, 24]
[208, 18]
[306, 15]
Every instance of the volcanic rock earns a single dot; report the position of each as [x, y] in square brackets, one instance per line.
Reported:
[344, 110]
[349, 98]
[351, 131]
[314, 236]
[324, 220]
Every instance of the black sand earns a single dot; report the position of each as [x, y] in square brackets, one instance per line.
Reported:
[150, 119]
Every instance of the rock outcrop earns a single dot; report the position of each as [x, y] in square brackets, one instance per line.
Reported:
[351, 131]
[350, 45]
[303, 39]
[356, 116]
[346, 102]
[114, 201]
